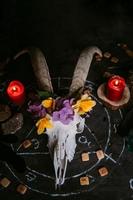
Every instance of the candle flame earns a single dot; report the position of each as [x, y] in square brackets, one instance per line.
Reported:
[14, 88]
[116, 82]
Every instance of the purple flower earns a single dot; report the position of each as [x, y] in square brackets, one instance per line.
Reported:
[37, 110]
[64, 115]
[59, 103]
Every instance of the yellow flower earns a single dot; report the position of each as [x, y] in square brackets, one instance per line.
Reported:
[84, 105]
[47, 103]
[43, 123]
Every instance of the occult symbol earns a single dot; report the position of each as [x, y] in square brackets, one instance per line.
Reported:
[39, 174]
[30, 176]
[131, 183]
[35, 143]
[83, 140]
[114, 127]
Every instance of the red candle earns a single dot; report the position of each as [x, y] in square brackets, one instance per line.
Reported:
[115, 88]
[16, 92]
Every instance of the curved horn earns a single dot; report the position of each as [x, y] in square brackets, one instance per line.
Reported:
[82, 68]
[40, 68]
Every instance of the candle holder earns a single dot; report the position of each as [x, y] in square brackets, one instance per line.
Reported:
[113, 105]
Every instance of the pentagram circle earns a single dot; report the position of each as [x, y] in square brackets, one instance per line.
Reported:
[99, 134]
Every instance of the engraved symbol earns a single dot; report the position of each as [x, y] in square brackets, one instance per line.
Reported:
[36, 143]
[115, 128]
[30, 176]
[83, 140]
[131, 183]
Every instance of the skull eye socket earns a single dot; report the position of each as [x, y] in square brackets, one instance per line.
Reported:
[79, 128]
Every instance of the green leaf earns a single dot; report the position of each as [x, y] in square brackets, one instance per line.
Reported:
[44, 94]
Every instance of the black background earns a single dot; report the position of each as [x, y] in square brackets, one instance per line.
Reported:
[62, 28]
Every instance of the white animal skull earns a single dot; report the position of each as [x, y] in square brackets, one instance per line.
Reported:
[62, 145]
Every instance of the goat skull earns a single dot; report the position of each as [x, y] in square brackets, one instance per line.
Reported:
[62, 140]
[62, 145]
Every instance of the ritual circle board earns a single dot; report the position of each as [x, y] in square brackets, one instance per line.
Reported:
[99, 134]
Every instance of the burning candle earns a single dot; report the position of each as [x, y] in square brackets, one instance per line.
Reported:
[115, 88]
[16, 92]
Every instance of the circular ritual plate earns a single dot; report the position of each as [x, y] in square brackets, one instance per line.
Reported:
[99, 134]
